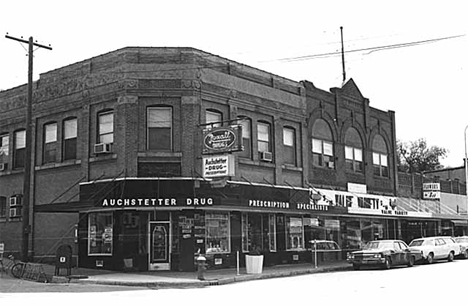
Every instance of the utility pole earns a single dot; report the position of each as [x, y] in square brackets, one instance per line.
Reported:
[342, 56]
[26, 227]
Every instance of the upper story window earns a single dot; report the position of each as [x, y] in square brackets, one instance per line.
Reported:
[4, 148]
[106, 127]
[322, 145]
[50, 143]
[380, 156]
[19, 153]
[213, 117]
[70, 134]
[3, 207]
[159, 128]
[353, 151]
[264, 141]
[289, 146]
[246, 124]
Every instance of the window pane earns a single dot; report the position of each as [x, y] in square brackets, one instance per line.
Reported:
[383, 160]
[160, 117]
[106, 123]
[349, 153]
[50, 133]
[263, 132]
[217, 232]
[272, 232]
[327, 148]
[294, 233]
[70, 149]
[289, 155]
[357, 154]
[317, 146]
[375, 158]
[159, 139]
[4, 145]
[70, 129]
[214, 117]
[20, 140]
[245, 128]
[100, 234]
[107, 138]
[288, 137]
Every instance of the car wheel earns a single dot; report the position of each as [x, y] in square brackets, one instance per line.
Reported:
[430, 258]
[450, 256]
[356, 267]
[465, 254]
[411, 261]
[388, 263]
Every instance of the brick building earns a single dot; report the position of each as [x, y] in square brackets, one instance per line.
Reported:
[121, 170]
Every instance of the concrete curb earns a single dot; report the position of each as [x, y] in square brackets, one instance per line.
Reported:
[206, 282]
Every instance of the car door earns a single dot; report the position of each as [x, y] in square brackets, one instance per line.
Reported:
[397, 255]
[405, 257]
[440, 249]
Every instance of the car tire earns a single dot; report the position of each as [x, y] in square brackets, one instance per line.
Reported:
[356, 267]
[430, 258]
[450, 257]
[465, 254]
[388, 263]
[411, 261]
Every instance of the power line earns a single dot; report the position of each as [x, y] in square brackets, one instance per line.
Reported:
[370, 49]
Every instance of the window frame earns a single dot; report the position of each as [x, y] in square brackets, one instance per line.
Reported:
[161, 127]
[246, 137]
[227, 237]
[289, 149]
[19, 153]
[106, 227]
[49, 146]
[262, 142]
[100, 134]
[66, 140]
[322, 145]
[214, 113]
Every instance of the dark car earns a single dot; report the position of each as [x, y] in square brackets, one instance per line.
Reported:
[385, 254]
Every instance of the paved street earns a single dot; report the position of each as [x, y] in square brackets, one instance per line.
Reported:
[422, 285]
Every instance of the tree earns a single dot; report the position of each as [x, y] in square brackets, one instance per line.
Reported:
[416, 156]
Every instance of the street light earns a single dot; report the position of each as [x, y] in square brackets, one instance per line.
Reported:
[466, 173]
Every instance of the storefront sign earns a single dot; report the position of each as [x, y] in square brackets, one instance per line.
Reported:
[357, 188]
[431, 191]
[222, 139]
[288, 205]
[153, 202]
[389, 212]
[218, 165]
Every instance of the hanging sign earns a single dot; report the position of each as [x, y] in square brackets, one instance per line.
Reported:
[222, 140]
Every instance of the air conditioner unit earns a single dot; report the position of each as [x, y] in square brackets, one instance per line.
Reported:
[15, 212]
[15, 200]
[102, 148]
[266, 156]
[3, 166]
[330, 164]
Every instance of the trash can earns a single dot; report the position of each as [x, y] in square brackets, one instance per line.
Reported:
[63, 259]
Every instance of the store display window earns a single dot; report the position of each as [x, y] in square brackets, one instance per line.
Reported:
[100, 234]
[217, 232]
[294, 233]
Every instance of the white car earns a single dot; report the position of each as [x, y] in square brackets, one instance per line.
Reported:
[436, 248]
[463, 241]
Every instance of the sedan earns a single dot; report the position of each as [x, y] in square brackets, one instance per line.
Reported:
[384, 253]
[463, 241]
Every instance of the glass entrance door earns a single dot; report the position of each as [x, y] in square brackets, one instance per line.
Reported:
[159, 246]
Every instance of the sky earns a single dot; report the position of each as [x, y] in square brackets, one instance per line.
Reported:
[424, 82]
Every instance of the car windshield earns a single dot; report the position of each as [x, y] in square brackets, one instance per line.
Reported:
[378, 245]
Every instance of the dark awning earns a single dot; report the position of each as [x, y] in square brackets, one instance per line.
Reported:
[460, 222]
[67, 207]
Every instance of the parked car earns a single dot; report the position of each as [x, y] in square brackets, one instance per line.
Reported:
[327, 250]
[384, 253]
[463, 241]
[436, 248]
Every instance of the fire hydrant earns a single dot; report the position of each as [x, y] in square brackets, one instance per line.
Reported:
[201, 267]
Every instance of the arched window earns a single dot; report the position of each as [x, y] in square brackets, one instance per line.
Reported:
[353, 151]
[322, 145]
[380, 156]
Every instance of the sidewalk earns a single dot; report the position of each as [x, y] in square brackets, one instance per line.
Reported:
[171, 279]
